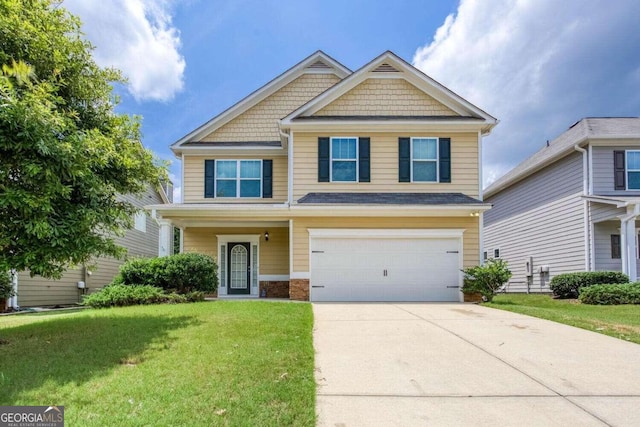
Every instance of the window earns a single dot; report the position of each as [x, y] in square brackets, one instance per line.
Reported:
[485, 255]
[344, 159]
[140, 221]
[496, 253]
[633, 170]
[616, 248]
[424, 159]
[238, 178]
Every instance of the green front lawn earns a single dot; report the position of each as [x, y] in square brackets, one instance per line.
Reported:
[212, 363]
[620, 321]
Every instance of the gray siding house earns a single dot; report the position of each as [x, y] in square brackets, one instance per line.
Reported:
[143, 240]
[572, 206]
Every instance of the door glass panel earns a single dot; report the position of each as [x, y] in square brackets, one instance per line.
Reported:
[238, 267]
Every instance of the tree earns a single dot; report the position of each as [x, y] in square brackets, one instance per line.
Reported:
[65, 155]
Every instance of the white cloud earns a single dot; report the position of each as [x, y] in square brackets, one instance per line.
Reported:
[137, 37]
[538, 66]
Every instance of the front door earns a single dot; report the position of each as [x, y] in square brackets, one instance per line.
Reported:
[239, 268]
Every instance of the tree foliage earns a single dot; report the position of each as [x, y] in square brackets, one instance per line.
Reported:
[65, 154]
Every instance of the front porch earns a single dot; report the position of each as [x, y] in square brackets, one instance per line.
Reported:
[615, 235]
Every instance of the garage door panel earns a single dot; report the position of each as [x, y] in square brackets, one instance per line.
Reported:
[385, 269]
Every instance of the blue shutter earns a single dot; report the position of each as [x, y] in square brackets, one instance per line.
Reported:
[444, 158]
[267, 179]
[404, 160]
[323, 159]
[209, 178]
[364, 161]
[619, 172]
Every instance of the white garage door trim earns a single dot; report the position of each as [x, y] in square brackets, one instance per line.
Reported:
[422, 234]
[386, 232]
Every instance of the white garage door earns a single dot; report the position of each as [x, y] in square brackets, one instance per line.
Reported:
[385, 268]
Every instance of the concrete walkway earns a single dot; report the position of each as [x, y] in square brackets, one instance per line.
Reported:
[400, 364]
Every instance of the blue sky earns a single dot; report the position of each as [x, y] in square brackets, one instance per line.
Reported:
[538, 65]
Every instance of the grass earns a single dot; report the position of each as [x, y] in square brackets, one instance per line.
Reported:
[620, 321]
[212, 363]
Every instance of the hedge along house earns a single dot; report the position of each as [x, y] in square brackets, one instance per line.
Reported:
[572, 206]
[332, 185]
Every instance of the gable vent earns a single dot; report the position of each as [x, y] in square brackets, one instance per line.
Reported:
[319, 65]
[385, 68]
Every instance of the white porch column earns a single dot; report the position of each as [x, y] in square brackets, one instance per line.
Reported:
[165, 239]
[628, 242]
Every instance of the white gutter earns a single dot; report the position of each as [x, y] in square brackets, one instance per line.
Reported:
[585, 207]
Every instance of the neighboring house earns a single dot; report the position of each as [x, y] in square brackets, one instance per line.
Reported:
[572, 206]
[143, 240]
[332, 185]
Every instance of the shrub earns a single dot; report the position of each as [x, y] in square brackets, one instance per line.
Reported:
[486, 279]
[123, 295]
[611, 294]
[182, 273]
[6, 286]
[568, 285]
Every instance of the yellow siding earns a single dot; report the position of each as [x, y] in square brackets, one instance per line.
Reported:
[274, 254]
[193, 185]
[385, 97]
[260, 123]
[471, 245]
[384, 166]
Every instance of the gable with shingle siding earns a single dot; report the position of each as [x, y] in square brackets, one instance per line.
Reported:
[260, 123]
[386, 97]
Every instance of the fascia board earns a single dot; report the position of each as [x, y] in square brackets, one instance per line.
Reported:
[241, 151]
[404, 126]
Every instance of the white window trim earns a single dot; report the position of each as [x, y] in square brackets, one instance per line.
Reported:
[356, 160]
[627, 170]
[436, 160]
[237, 178]
[253, 240]
[493, 252]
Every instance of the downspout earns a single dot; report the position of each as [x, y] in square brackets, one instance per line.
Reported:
[585, 207]
[289, 137]
[480, 197]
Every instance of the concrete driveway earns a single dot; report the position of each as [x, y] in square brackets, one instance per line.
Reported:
[400, 364]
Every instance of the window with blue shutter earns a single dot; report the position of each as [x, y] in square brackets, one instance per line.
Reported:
[344, 159]
[424, 159]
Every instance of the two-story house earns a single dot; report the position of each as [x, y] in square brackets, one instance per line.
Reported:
[572, 206]
[333, 185]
